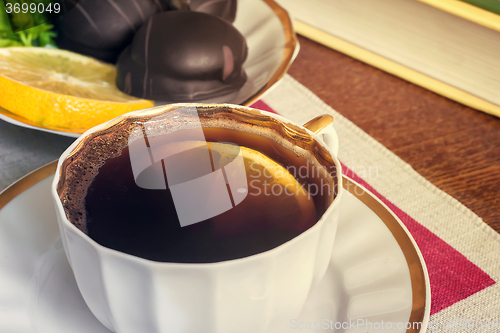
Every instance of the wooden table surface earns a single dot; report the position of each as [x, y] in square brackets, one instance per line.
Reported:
[453, 146]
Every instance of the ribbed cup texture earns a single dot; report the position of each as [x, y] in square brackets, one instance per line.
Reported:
[259, 293]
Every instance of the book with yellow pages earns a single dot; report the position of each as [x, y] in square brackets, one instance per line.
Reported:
[447, 46]
[491, 5]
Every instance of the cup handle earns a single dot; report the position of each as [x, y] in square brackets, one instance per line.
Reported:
[323, 126]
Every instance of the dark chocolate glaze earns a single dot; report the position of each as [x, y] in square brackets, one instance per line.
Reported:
[182, 56]
[225, 9]
[103, 28]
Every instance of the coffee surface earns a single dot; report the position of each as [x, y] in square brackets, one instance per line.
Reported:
[144, 222]
[106, 202]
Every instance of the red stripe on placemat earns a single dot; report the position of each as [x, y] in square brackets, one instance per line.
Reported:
[452, 276]
[262, 106]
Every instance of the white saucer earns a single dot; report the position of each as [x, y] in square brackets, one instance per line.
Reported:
[377, 276]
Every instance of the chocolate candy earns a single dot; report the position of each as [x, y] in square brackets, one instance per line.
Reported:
[225, 9]
[182, 56]
[103, 28]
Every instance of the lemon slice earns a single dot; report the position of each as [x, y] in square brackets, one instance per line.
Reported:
[274, 196]
[61, 90]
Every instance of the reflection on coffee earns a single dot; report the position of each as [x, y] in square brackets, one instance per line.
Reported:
[283, 194]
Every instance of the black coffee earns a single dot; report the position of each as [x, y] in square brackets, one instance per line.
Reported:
[121, 215]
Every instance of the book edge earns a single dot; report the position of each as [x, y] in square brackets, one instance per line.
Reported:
[396, 69]
[467, 11]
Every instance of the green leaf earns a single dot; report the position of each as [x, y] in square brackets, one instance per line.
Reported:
[9, 42]
[46, 38]
[4, 19]
[40, 34]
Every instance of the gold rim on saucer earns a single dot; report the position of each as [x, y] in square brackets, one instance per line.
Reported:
[419, 283]
[420, 298]
[290, 45]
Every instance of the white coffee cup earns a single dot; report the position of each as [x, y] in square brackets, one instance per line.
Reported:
[258, 293]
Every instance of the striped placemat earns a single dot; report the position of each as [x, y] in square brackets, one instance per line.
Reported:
[460, 250]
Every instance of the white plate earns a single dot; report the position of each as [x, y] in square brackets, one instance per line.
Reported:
[377, 275]
[272, 47]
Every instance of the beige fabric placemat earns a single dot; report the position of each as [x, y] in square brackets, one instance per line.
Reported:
[399, 183]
